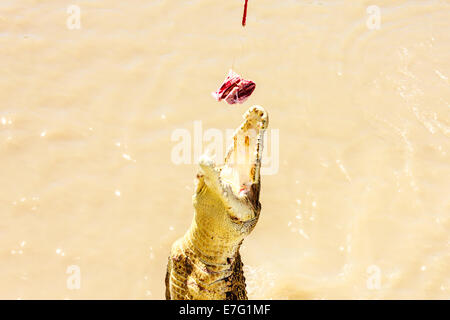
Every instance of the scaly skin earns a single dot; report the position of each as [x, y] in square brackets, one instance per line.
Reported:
[205, 263]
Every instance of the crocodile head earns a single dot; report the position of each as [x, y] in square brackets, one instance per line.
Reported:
[227, 196]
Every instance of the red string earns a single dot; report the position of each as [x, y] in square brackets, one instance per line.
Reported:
[244, 18]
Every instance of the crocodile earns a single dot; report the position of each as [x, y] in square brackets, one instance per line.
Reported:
[205, 264]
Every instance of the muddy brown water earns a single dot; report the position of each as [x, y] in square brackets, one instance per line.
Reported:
[356, 198]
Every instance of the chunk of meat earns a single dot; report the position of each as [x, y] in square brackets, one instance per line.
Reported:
[234, 89]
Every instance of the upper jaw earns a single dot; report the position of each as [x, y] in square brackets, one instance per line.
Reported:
[238, 180]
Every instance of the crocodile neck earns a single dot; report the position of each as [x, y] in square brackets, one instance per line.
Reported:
[210, 246]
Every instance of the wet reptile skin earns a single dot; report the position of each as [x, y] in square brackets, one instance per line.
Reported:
[205, 263]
